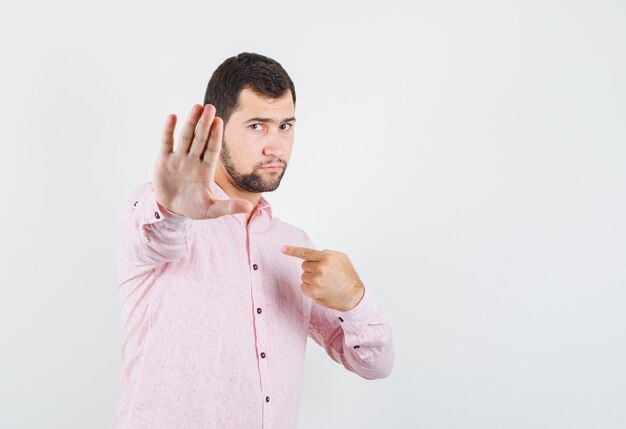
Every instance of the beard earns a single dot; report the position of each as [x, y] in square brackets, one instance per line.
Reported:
[254, 181]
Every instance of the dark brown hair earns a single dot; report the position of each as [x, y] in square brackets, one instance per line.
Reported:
[263, 75]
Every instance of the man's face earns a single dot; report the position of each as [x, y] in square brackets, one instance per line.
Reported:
[259, 134]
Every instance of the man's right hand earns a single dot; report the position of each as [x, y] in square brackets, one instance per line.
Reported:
[184, 180]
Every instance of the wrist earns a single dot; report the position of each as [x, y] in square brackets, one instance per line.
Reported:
[356, 299]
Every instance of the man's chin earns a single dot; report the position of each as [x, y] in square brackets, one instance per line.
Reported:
[259, 187]
[271, 187]
[271, 183]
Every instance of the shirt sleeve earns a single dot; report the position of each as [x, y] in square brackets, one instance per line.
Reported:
[151, 235]
[360, 339]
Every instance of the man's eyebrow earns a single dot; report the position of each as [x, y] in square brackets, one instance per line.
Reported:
[266, 120]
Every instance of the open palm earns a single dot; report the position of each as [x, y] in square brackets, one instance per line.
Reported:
[184, 179]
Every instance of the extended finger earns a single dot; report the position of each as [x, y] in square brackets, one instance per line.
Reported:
[302, 253]
[186, 134]
[214, 145]
[202, 132]
[167, 136]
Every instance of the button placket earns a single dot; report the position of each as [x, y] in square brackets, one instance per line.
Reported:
[260, 324]
[261, 327]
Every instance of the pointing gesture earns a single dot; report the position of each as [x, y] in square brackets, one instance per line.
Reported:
[329, 278]
[184, 179]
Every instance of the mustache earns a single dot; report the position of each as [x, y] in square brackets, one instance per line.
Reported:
[274, 162]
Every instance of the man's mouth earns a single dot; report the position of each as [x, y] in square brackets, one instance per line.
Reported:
[273, 167]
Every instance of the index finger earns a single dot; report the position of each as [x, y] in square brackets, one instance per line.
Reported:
[303, 253]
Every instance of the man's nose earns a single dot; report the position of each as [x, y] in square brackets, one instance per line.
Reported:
[274, 146]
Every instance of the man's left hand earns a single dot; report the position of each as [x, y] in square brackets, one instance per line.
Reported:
[329, 278]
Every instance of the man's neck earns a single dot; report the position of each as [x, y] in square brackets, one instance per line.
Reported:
[233, 192]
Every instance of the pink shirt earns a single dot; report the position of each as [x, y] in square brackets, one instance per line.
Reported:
[215, 325]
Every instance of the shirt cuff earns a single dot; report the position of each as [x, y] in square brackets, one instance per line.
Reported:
[156, 212]
[360, 314]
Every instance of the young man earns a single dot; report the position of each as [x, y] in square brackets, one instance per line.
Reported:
[218, 296]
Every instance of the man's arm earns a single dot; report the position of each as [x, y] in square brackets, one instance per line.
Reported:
[345, 320]
[156, 226]
[150, 234]
[360, 339]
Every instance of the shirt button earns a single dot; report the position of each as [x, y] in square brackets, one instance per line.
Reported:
[263, 355]
[357, 347]
[156, 215]
[255, 266]
[340, 319]
[258, 310]
[267, 399]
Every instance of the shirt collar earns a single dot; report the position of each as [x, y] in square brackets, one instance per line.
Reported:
[263, 205]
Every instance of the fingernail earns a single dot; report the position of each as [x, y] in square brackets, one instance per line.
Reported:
[284, 249]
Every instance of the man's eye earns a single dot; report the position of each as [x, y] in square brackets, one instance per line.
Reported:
[286, 125]
[254, 125]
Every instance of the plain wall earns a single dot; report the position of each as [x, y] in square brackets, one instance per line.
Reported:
[468, 156]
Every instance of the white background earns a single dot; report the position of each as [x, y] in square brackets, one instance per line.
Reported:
[468, 157]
